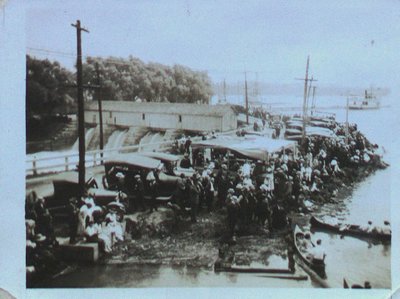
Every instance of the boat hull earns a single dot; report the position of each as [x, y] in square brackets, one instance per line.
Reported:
[317, 266]
[352, 231]
[363, 108]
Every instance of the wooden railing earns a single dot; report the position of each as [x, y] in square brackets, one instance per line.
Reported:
[92, 158]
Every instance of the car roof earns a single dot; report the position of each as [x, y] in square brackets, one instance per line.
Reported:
[134, 160]
[160, 156]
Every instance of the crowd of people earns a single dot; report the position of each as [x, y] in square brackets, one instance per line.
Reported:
[250, 192]
[264, 192]
[40, 236]
[87, 222]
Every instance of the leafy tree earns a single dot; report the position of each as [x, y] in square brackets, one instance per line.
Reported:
[48, 86]
[130, 79]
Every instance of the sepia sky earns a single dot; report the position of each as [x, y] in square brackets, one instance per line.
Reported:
[351, 43]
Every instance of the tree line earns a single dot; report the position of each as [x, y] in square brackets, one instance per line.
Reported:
[50, 87]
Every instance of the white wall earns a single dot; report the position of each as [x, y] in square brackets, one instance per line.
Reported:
[165, 121]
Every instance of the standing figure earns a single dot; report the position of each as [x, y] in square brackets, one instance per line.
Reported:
[232, 204]
[194, 193]
[153, 185]
[139, 193]
[209, 193]
[73, 219]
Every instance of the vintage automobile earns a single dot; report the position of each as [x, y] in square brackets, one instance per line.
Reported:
[136, 164]
[170, 162]
[67, 186]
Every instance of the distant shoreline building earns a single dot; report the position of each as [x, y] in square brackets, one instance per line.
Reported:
[178, 116]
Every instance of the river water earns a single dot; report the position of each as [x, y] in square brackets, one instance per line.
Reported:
[351, 258]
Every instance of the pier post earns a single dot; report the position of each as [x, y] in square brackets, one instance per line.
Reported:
[34, 167]
[66, 163]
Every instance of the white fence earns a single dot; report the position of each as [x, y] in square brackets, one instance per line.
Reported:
[58, 161]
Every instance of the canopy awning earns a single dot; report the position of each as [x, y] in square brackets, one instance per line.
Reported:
[254, 147]
[318, 131]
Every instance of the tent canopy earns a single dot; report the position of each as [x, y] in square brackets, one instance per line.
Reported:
[254, 147]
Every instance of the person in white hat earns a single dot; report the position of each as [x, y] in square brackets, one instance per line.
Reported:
[264, 188]
[233, 207]
[269, 180]
[82, 216]
[247, 182]
[246, 168]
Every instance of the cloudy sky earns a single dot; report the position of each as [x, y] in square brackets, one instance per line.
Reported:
[351, 43]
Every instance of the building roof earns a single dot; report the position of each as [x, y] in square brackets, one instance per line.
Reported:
[163, 108]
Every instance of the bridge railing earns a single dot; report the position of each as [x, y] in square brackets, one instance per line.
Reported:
[69, 160]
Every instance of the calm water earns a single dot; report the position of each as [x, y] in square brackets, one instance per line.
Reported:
[354, 259]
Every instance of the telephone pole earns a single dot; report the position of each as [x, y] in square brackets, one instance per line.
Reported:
[81, 120]
[100, 110]
[305, 100]
[247, 98]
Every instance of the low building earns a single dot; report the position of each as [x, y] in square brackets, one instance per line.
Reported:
[192, 117]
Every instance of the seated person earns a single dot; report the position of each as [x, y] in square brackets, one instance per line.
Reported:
[91, 232]
[317, 252]
[185, 162]
[386, 229]
[305, 243]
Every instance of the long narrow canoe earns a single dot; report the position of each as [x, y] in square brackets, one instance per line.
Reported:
[345, 284]
[318, 266]
[351, 230]
[355, 286]
[244, 269]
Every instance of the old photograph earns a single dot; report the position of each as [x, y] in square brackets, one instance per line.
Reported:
[212, 144]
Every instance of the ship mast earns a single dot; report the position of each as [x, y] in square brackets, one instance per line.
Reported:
[313, 101]
[246, 98]
[224, 91]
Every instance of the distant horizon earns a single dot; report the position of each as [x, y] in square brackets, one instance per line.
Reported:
[350, 43]
[268, 88]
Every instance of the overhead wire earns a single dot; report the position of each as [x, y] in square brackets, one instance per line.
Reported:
[47, 53]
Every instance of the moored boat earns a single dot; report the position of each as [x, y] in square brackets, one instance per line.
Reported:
[351, 229]
[346, 285]
[369, 101]
[317, 265]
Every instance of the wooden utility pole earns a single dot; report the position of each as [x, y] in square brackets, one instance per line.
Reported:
[100, 110]
[313, 100]
[81, 120]
[247, 98]
[305, 100]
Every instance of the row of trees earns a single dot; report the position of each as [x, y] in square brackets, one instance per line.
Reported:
[49, 86]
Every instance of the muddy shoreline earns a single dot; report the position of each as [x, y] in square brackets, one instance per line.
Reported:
[161, 240]
[164, 241]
